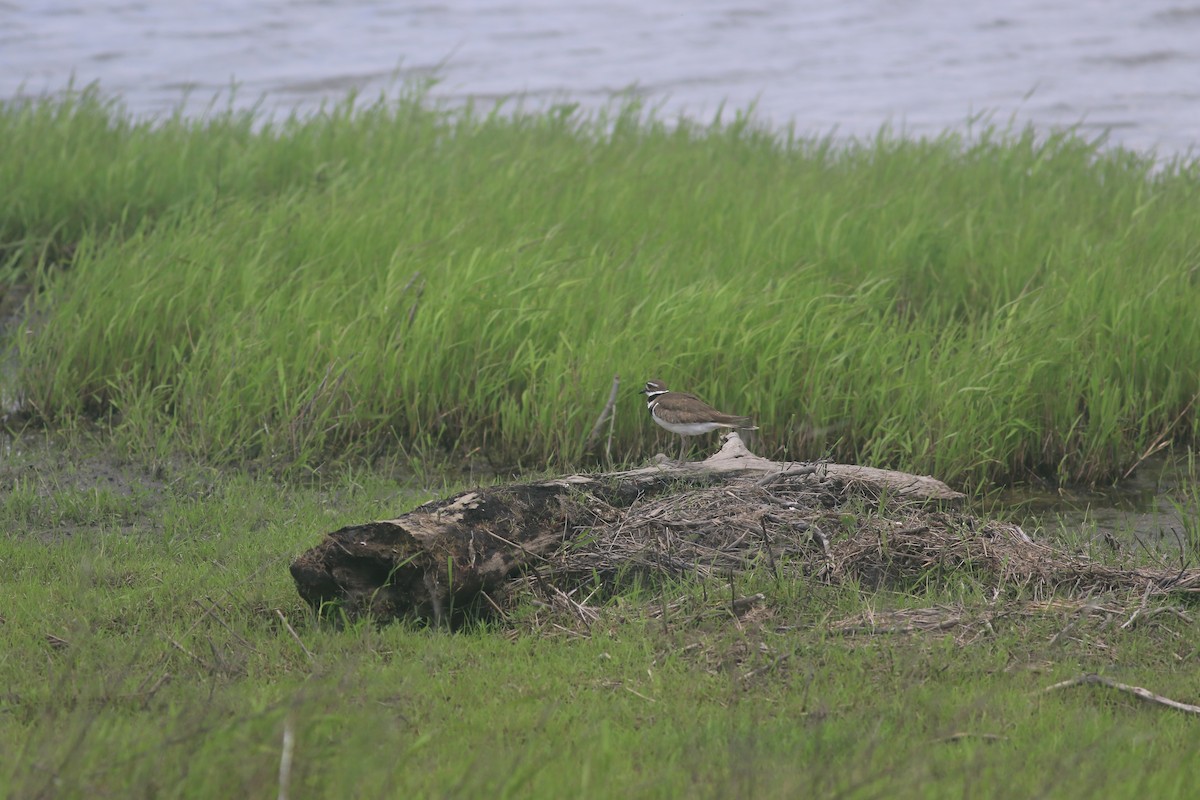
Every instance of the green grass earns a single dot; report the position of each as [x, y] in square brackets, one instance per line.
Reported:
[144, 656]
[390, 277]
[392, 280]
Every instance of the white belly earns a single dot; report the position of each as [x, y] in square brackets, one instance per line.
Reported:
[689, 428]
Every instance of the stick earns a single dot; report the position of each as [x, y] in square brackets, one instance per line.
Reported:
[212, 612]
[639, 694]
[412, 310]
[1141, 608]
[612, 427]
[1138, 691]
[295, 635]
[767, 547]
[492, 603]
[964, 735]
[775, 662]
[743, 604]
[609, 408]
[1161, 440]
[57, 642]
[285, 756]
[190, 654]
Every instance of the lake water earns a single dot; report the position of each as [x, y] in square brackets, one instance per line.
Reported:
[1128, 68]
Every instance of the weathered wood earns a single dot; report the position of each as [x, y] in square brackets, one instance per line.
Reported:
[440, 556]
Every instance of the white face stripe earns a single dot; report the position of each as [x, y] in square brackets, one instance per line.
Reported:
[653, 389]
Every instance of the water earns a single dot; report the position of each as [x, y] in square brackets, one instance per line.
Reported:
[924, 66]
[1155, 509]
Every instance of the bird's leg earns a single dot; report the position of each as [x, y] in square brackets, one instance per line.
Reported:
[683, 442]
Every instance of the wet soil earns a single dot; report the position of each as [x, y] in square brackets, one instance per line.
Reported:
[1155, 508]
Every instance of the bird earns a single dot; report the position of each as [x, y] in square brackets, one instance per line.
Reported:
[686, 414]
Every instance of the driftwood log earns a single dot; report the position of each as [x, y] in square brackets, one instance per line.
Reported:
[441, 557]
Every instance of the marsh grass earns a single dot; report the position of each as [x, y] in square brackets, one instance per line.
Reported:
[146, 655]
[448, 287]
[395, 276]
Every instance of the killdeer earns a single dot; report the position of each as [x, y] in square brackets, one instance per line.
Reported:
[687, 414]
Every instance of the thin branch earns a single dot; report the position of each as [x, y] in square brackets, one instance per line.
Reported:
[609, 408]
[295, 635]
[743, 604]
[494, 605]
[1141, 608]
[190, 654]
[964, 735]
[1161, 440]
[1137, 691]
[775, 662]
[285, 756]
[639, 694]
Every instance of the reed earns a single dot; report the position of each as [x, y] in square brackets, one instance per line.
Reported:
[391, 275]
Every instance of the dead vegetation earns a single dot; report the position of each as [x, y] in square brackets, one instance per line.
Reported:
[828, 531]
[816, 528]
[586, 546]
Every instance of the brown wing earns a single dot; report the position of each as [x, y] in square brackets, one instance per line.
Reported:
[717, 416]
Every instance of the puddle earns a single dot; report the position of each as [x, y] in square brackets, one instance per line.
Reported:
[1156, 508]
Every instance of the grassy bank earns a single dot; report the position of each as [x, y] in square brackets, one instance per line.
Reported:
[396, 277]
[142, 653]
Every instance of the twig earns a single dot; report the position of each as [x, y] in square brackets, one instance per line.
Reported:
[940, 625]
[639, 694]
[823, 540]
[790, 469]
[775, 662]
[1137, 691]
[612, 427]
[585, 614]
[285, 755]
[412, 310]
[320, 390]
[57, 642]
[962, 735]
[511, 543]
[576, 634]
[1140, 609]
[212, 611]
[767, 547]
[743, 604]
[609, 409]
[1070, 627]
[732, 595]
[1160, 441]
[295, 635]
[190, 654]
[493, 604]
[1179, 612]
[149, 693]
[411, 281]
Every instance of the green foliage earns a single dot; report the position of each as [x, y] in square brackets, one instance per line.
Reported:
[392, 275]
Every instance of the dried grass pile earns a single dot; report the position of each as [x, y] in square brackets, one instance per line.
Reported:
[820, 528]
